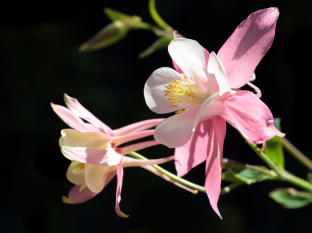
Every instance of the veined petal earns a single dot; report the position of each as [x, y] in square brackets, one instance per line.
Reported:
[138, 146]
[76, 173]
[75, 196]
[118, 190]
[216, 68]
[247, 113]
[76, 108]
[131, 162]
[108, 157]
[75, 138]
[176, 35]
[153, 170]
[136, 127]
[175, 131]
[195, 151]
[70, 119]
[214, 162]
[132, 136]
[189, 56]
[96, 176]
[211, 107]
[154, 90]
[245, 48]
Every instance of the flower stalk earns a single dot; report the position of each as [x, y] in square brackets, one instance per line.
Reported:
[283, 175]
[170, 175]
[304, 160]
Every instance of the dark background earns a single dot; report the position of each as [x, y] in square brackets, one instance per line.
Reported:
[40, 61]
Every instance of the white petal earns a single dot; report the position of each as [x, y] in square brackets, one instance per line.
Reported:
[211, 107]
[95, 176]
[155, 87]
[76, 173]
[215, 67]
[175, 131]
[189, 56]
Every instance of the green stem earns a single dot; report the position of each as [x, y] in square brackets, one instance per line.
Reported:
[296, 193]
[297, 154]
[146, 26]
[230, 187]
[284, 176]
[171, 176]
[161, 23]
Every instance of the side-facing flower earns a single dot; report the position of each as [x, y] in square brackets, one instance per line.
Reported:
[200, 92]
[92, 148]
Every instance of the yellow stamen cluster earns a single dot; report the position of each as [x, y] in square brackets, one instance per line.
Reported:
[184, 92]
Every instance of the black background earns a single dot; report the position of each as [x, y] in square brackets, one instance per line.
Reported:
[40, 61]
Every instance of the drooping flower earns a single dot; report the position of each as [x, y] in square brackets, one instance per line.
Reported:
[201, 93]
[92, 148]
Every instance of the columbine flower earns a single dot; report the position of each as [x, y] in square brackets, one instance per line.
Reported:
[201, 95]
[92, 147]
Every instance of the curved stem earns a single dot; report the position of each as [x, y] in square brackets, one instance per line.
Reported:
[171, 176]
[161, 23]
[297, 154]
[284, 175]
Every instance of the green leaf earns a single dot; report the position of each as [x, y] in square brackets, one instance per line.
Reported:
[241, 173]
[274, 150]
[161, 43]
[309, 177]
[115, 15]
[288, 200]
[277, 123]
[249, 175]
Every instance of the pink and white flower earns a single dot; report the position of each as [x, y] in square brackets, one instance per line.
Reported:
[200, 91]
[92, 148]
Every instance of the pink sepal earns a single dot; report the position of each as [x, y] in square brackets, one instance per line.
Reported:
[195, 150]
[118, 190]
[132, 136]
[136, 127]
[214, 162]
[245, 48]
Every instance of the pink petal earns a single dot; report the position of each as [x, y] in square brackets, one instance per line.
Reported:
[76, 108]
[75, 196]
[138, 146]
[71, 120]
[218, 77]
[154, 90]
[96, 176]
[108, 157]
[247, 113]
[132, 136]
[131, 162]
[176, 35]
[139, 126]
[195, 150]
[118, 190]
[153, 170]
[214, 162]
[189, 56]
[245, 48]
[175, 131]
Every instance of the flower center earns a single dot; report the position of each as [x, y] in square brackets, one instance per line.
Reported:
[185, 92]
